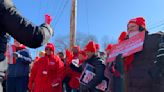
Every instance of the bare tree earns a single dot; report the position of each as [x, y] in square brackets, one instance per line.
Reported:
[62, 42]
[89, 38]
[105, 41]
[80, 38]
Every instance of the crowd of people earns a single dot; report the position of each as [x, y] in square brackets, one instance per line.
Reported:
[77, 69]
[87, 70]
[51, 71]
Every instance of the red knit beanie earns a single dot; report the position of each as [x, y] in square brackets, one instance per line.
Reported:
[50, 46]
[90, 47]
[139, 21]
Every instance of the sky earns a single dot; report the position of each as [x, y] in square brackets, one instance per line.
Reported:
[97, 17]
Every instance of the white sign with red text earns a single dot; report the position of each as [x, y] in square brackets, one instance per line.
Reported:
[127, 47]
[88, 74]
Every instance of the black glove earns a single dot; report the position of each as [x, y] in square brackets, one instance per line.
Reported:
[118, 61]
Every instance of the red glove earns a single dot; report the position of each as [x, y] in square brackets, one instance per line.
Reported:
[56, 83]
[48, 18]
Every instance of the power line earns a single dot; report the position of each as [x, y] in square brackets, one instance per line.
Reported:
[86, 5]
[156, 23]
[59, 8]
[60, 14]
[157, 26]
[53, 6]
[39, 11]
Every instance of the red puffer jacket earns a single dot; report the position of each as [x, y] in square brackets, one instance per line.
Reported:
[45, 73]
[75, 76]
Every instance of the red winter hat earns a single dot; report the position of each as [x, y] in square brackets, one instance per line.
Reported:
[109, 47]
[97, 46]
[50, 46]
[90, 47]
[139, 21]
[122, 37]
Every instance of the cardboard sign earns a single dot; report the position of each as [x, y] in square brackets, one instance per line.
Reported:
[127, 47]
[88, 74]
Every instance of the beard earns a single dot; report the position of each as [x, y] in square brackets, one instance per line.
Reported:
[131, 34]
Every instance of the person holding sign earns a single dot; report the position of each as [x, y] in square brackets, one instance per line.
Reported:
[142, 69]
[98, 68]
[18, 68]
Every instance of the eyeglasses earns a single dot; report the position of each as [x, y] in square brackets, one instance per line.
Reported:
[48, 49]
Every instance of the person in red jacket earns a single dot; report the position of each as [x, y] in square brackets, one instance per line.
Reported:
[74, 82]
[75, 51]
[47, 73]
[70, 56]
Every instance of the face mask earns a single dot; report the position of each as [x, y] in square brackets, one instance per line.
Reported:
[131, 34]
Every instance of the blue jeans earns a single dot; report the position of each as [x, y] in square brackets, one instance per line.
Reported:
[17, 84]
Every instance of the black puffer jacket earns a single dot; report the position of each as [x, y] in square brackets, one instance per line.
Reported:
[21, 29]
[139, 76]
[99, 65]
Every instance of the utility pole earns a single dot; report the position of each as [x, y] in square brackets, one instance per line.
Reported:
[73, 24]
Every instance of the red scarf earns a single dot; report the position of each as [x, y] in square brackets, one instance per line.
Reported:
[129, 59]
[127, 62]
